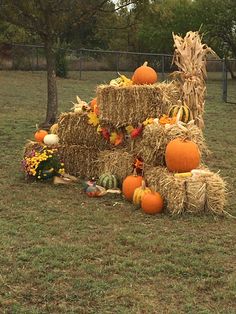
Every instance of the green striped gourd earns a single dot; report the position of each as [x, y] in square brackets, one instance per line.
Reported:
[139, 193]
[108, 181]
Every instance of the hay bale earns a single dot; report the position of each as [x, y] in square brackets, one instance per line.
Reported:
[79, 160]
[118, 162]
[156, 137]
[205, 193]
[73, 129]
[122, 106]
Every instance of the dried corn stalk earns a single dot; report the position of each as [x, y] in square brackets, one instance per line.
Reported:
[190, 58]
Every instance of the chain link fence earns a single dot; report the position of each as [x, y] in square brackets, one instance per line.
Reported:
[83, 61]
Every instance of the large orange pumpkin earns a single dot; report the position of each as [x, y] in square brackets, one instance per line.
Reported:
[39, 135]
[182, 155]
[129, 185]
[152, 203]
[144, 75]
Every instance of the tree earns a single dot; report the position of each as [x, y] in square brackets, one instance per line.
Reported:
[218, 20]
[50, 19]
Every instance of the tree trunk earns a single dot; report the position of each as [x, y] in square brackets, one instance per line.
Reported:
[52, 104]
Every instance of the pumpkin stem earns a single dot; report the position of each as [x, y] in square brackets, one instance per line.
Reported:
[145, 64]
[143, 186]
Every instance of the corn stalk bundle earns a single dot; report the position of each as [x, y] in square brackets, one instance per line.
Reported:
[79, 160]
[155, 138]
[190, 58]
[131, 105]
[118, 162]
[74, 129]
[204, 193]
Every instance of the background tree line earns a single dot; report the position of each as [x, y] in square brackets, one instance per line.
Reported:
[129, 25]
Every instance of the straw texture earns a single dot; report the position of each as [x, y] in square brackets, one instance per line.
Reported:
[118, 162]
[73, 129]
[197, 194]
[121, 106]
[156, 137]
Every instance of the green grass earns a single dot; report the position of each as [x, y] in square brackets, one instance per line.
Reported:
[61, 252]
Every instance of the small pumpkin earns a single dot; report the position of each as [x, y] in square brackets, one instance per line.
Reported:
[144, 75]
[108, 181]
[139, 193]
[39, 135]
[152, 203]
[129, 185]
[182, 155]
[51, 139]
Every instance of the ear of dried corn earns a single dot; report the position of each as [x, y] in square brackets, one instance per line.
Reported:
[190, 57]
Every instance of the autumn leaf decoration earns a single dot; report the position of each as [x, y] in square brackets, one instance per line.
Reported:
[93, 118]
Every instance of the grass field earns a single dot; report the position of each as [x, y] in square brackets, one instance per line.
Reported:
[61, 252]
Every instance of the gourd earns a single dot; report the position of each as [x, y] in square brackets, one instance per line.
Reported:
[152, 203]
[108, 181]
[129, 185]
[51, 139]
[182, 155]
[139, 193]
[39, 135]
[144, 75]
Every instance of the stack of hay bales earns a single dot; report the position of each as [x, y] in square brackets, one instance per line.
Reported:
[79, 144]
[87, 154]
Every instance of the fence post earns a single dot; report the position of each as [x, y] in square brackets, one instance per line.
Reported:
[225, 79]
[162, 67]
[117, 62]
[80, 64]
[37, 59]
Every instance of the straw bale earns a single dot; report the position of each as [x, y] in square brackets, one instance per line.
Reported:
[79, 160]
[122, 106]
[156, 137]
[117, 161]
[73, 129]
[202, 193]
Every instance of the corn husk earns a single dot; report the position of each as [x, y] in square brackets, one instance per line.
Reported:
[190, 58]
[131, 105]
[118, 162]
[202, 193]
[156, 137]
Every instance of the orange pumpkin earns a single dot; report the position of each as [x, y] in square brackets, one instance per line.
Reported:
[152, 203]
[39, 135]
[182, 155]
[144, 75]
[94, 105]
[129, 185]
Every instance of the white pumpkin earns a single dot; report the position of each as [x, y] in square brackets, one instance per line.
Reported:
[51, 139]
